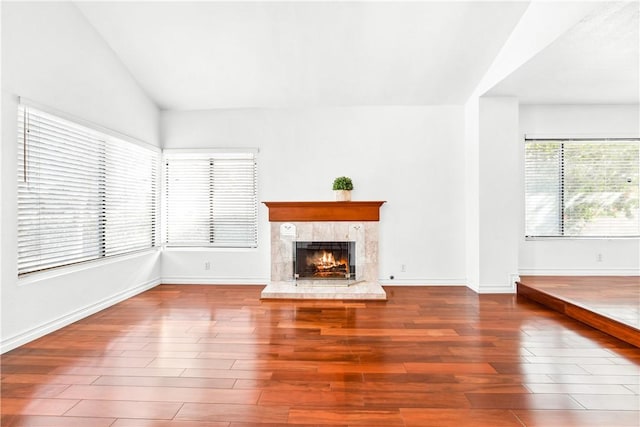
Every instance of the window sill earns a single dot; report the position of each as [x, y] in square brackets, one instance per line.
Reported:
[38, 276]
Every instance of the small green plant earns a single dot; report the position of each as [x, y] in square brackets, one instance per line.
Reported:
[342, 183]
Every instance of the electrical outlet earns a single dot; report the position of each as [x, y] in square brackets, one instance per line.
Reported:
[599, 258]
[207, 265]
[403, 268]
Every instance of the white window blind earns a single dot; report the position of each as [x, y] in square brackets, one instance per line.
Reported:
[211, 200]
[82, 195]
[582, 188]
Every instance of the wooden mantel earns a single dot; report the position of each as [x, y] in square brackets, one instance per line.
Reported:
[324, 211]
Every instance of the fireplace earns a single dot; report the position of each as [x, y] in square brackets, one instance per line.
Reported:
[324, 260]
[347, 233]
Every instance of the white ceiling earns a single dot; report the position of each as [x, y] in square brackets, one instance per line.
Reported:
[206, 55]
[595, 62]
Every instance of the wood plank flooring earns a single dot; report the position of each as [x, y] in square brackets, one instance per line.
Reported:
[610, 304]
[218, 356]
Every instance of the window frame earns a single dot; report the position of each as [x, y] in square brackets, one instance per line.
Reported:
[111, 145]
[208, 154]
[528, 138]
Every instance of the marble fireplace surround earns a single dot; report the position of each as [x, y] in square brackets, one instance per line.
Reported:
[324, 221]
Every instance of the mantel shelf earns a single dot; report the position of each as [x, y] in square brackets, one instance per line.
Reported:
[324, 211]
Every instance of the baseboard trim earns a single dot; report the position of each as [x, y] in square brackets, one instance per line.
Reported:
[423, 282]
[580, 272]
[490, 288]
[53, 325]
[182, 280]
[494, 288]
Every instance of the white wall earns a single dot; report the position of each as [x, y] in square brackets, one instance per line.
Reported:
[472, 191]
[491, 192]
[51, 55]
[409, 156]
[499, 185]
[578, 256]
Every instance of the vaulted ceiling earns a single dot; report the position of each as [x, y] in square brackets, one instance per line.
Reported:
[596, 62]
[206, 55]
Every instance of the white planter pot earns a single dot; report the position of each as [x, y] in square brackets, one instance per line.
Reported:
[343, 195]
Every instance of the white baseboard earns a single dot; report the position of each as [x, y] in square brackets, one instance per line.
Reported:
[580, 272]
[494, 288]
[423, 282]
[48, 327]
[182, 280]
[190, 280]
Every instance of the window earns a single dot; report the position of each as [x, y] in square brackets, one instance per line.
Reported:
[82, 194]
[582, 188]
[211, 199]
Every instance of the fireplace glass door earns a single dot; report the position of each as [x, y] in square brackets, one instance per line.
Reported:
[324, 260]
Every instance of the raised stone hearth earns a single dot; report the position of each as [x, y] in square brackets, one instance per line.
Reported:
[324, 222]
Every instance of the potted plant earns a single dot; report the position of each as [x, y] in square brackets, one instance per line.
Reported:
[342, 187]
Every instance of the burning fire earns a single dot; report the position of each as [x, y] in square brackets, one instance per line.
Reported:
[325, 262]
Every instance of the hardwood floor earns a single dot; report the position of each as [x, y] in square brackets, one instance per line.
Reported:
[608, 303]
[195, 356]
